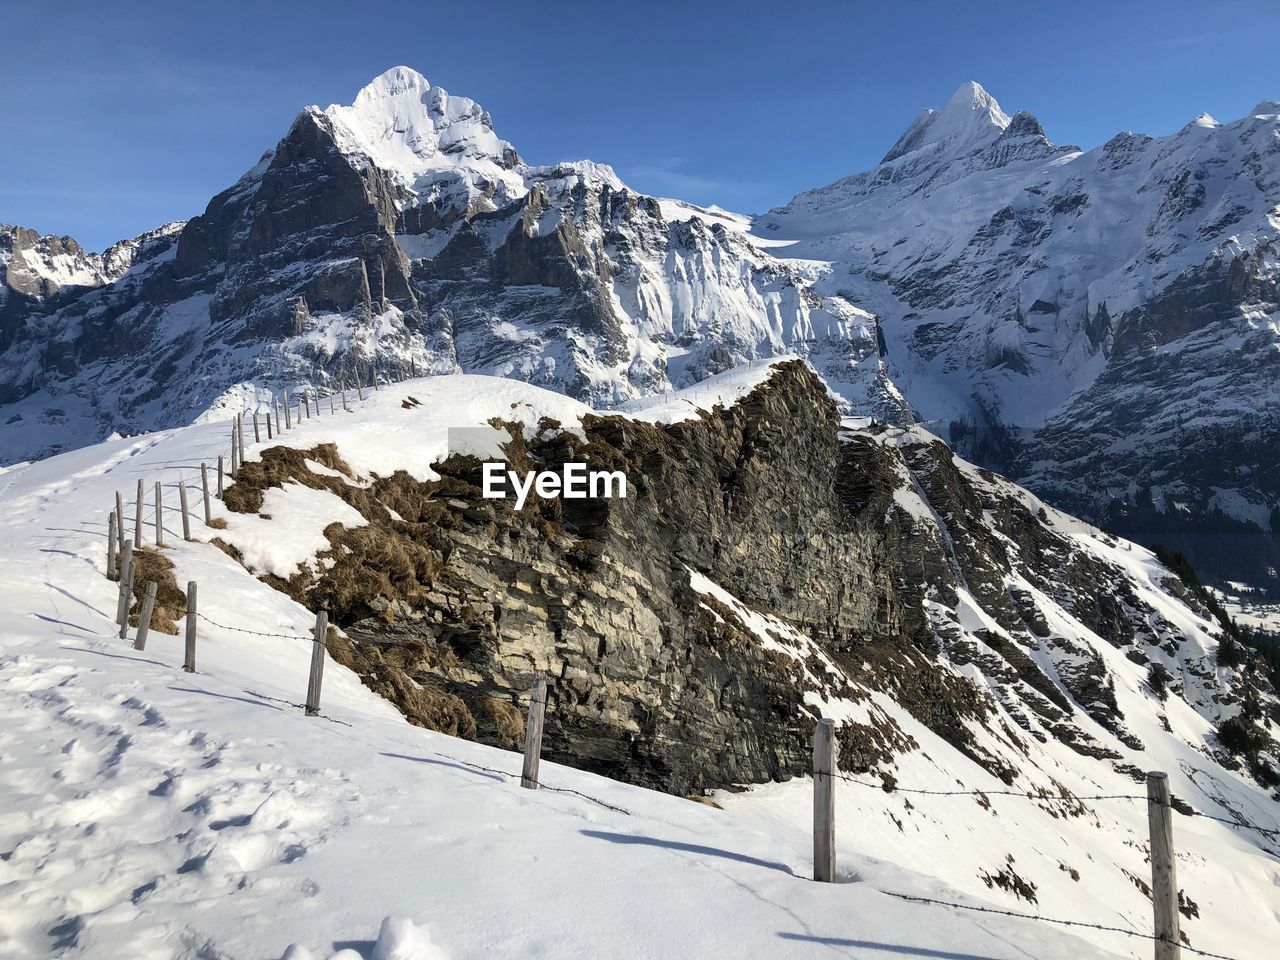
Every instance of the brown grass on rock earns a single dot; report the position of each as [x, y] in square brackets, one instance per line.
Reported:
[503, 719]
[385, 671]
[277, 466]
[151, 566]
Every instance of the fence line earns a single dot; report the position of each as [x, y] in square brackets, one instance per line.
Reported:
[824, 828]
[1186, 810]
[300, 706]
[1066, 923]
[254, 633]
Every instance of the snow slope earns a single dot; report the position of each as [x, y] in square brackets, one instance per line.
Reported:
[152, 813]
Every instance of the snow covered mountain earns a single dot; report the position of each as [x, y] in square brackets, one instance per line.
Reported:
[1098, 325]
[1101, 325]
[400, 232]
[39, 272]
[992, 666]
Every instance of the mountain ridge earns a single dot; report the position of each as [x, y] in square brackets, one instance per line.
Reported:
[981, 275]
[1070, 314]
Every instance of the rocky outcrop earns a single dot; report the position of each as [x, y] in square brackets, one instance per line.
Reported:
[767, 566]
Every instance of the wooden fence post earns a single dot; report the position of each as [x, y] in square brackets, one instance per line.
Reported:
[317, 664]
[316, 394]
[824, 807]
[257, 437]
[204, 488]
[221, 471]
[344, 394]
[275, 409]
[186, 510]
[137, 520]
[533, 734]
[332, 408]
[288, 425]
[159, 517]
[359, 385]
[235, 462]
[189, 661]
[268, 419]
[120, 522]
[1164, 881]
[144, 618]
[240, 435]
[113, 540]
[126, 588]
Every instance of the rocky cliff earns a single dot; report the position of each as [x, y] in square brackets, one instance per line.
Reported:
[771, 563]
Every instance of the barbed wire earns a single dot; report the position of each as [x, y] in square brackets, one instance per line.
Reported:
[466, 763]
[882, 787]
[541, 785]
[255, 633]
[1022, 794]
[1065, 923]
[1185, 810]
[1073, 798]
[1236, 823]
[300, 706]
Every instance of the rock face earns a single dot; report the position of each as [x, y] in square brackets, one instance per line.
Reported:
[770, 564]
[401, 233]
[39, 271]
[1100, 325]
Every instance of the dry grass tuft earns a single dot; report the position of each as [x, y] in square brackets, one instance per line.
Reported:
[370, 563]
[502, 721]
[151, 566]
[278, 466]
[385, 671]
[705, 801]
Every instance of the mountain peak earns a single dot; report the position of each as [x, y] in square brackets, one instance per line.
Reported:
[968, 121]
[392, 83]
[970, 111]
[414, 130]
[972, 96]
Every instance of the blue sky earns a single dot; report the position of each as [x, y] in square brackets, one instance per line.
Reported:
[119, 116]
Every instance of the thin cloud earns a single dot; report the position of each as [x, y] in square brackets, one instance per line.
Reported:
[668, 177]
